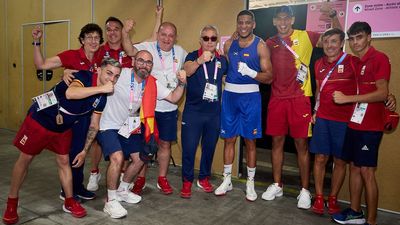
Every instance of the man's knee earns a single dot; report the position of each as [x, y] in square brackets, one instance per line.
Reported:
[368, 173]
[62, 160]
[320, 159]
[117, 159]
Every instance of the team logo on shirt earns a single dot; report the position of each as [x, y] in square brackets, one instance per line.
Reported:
[235, 53]
[322, 70]
[246, 54]
[23, 140]
[295, 42]
[340, 69]
[363, 70]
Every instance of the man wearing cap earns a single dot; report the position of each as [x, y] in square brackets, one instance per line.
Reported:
[289, 108]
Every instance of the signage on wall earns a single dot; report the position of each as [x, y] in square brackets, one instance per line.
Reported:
[382, 16]
[320, 22]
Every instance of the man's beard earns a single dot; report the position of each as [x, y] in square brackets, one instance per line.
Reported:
[142, 73]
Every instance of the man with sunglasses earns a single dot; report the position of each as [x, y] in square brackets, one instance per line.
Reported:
[249, 64]
[123, 127]
[168, 60]
[201, 115]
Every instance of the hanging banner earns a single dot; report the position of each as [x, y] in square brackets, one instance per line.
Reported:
[320, 22]
[382, 16]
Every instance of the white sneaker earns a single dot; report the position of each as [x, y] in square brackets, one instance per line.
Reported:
[251, 194]
[128, 196]
[225, 186]
[115, 209]
[304, 199]
[272, 191]
[93, 184]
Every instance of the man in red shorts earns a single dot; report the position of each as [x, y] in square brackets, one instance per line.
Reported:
[48, 125]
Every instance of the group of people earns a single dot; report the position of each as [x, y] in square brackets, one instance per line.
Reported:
[121, 99]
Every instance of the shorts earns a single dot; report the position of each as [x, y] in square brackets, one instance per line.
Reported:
[328, 138]
[32, 138]
[363, 147]
[111, 142]
[167, 124]
[291, 115]
[241, 115]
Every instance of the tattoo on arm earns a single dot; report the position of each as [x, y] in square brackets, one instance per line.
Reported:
[91, 135]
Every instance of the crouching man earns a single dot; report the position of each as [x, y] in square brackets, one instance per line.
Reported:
[48, 126]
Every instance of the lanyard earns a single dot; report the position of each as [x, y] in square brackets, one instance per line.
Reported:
[215, 71]
[131, 95]
[162, 60]
[290, 49]
[330, 71]
[326, 80]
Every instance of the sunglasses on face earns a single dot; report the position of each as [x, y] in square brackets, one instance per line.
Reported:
[206, 38]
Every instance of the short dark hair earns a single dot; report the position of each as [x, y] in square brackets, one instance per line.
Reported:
[114, 19]
[284, 9]
[90, 28]
[110, 61]
[359, 27]
[246, 13]
[334, 31]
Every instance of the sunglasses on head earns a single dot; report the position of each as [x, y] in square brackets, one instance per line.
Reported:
[206, 38]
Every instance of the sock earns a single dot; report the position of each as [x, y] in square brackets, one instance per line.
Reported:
[111, 194]
[68, 201]
[95, 170]
[251, 172]
[228, 169]
[12, 201]
[123, 186]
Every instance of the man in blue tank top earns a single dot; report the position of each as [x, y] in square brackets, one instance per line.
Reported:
[249, 64]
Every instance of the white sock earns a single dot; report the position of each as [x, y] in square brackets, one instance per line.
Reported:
[123, 186]
[251, 172]
[228, 169]
[111, 194]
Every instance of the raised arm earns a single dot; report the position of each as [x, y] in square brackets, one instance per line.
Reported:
[159, 15]
[126, 40]
[38, 59]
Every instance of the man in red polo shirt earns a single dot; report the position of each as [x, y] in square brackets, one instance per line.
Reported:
[367, 124]
[335, 71]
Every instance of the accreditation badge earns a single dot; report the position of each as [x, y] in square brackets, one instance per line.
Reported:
[45, 100]
[359, 113]
[210, 92]
[302, 73]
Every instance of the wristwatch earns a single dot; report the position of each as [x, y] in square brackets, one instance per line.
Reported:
[332, 13]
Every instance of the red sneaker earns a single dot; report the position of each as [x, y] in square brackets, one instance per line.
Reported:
[164, 186]
[73, 207]
[205, 185]
[139, 185]
[318, 206]
[11, 215]
[186, 191]
[333, 206]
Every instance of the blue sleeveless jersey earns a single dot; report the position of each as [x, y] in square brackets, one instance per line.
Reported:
[247, 55]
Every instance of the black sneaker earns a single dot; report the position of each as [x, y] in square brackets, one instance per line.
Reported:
[85, 194]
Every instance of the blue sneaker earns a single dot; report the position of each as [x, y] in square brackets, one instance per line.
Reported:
[349, 216]
[85, 194]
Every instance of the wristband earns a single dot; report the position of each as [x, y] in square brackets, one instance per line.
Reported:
[36, 43]
[333, 13]
[181, 84]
